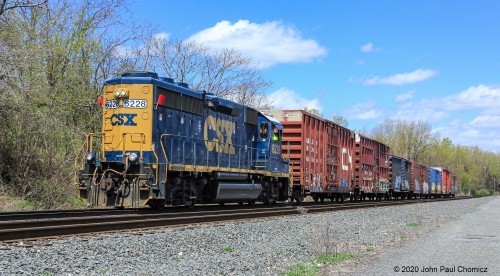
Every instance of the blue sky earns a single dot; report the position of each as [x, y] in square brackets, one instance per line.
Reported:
[437, 61]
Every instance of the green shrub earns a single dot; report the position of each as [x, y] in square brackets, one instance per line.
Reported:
[412, 224]
[303, 270]
[483, 192]
[311, 268]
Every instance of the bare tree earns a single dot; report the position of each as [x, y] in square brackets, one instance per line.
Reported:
[408, 139]
[225, 73]
[314, 111]
[338, 119]
[10, 5]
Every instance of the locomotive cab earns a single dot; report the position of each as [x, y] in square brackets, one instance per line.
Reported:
[270, 144]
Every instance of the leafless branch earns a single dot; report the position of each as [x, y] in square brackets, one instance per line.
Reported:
[9, 5]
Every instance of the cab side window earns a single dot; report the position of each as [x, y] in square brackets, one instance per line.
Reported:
[276, 134]
[263, 130]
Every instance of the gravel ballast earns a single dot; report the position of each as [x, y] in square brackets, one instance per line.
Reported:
[257, 247]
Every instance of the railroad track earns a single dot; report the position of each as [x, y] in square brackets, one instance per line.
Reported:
[18, 226]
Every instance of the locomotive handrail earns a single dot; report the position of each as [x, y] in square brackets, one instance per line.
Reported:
[164, 152]
[156, 171]
[88, 145]
[143, 139]
[89, 141]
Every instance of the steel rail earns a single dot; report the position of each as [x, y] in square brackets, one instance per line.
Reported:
[50, 227]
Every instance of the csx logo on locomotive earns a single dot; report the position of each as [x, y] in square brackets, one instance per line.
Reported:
[220, 143]
[123, 119]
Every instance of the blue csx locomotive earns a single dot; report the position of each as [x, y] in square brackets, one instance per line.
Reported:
[165, 144]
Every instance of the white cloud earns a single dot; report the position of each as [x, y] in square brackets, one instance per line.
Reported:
[483, 130]
[268, 43]
[128, 51]
[419, 113]
[363, 111]
[367, 48]
[472, 134]
[121, 51]
[405, 96]
[161, 36]
[404, 78]
[288, 99]
[486, 121]
[481, 96]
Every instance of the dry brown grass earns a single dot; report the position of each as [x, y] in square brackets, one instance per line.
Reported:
[10, 204]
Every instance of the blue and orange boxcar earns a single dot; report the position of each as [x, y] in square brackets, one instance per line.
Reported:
[435, 180]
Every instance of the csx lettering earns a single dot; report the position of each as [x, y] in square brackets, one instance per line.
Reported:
[220, 143]
[123, 119]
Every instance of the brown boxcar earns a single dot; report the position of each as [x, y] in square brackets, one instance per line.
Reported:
[382, 162]
[371, 163]
[340, 166]
[321, 154]
[446, 182]
[420, 180]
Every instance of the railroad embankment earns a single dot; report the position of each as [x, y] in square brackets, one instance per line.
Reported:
[256, 247]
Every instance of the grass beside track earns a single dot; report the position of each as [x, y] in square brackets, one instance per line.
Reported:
[313, 265]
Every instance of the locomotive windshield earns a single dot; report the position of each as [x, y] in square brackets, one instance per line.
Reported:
[264, 130]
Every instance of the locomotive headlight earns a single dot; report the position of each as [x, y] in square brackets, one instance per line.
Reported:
[132, 157]
[121, 93]
[90, 156]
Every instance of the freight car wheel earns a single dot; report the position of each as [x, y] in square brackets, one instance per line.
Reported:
[156, 204]
[159, 205]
